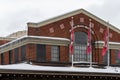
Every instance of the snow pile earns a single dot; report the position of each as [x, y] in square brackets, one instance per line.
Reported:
[24, 66]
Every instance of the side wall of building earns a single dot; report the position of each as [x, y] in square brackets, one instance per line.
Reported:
[30, 54]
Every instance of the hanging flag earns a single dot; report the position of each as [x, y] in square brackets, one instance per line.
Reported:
[89, 40]
[104, 50]
[105, 46]
[71, 47]
[88, 49]
[72, 35]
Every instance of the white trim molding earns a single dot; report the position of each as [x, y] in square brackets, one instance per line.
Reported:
[112, 45]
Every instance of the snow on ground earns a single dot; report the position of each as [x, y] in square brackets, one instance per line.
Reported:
[24, 66]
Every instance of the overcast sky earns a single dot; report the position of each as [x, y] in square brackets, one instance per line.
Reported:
[14, 14]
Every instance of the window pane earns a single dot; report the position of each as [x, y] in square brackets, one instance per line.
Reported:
[23, 53]
[16, 54]
[2, 58]
[55, 53]
[80, 38]
[10, 56]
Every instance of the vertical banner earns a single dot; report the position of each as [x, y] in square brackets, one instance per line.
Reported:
[89, 40]
[105, 45]
[89, 47]
[71, 47]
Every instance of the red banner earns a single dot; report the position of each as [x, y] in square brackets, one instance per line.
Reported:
[105, 46]
[89, 40]
[71, 47]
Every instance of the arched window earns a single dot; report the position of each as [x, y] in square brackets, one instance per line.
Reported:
[80, 45]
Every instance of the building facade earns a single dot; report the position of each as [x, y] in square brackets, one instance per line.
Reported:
[48, 42]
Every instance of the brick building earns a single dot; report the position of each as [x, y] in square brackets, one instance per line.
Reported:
[48, 42]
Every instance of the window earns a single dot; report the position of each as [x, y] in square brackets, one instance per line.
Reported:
[55, 53]
[117, 57]
[41, 52]
[10, 56]
[80, 53]
[16, 54]
[2, 58]
[23, 53]
[80, 45]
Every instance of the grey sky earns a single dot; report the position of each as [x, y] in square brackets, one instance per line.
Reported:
[14, 14]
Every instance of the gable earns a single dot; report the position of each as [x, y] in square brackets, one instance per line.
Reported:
[73, 13]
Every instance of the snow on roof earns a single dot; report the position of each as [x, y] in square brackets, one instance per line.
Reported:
[13, 41]
[24, 66]
[39, 37]
[54, 38]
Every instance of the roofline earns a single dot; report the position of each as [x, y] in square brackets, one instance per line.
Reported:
[33, 40]
[70, 14]
[6, 38]
[38, 37]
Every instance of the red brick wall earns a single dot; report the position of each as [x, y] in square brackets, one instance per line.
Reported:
[101, 61]
[95, 54]
[6, 58]
[31, 52]
[3, 42]
[64, 54]
[113, 56]
[48, 52]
